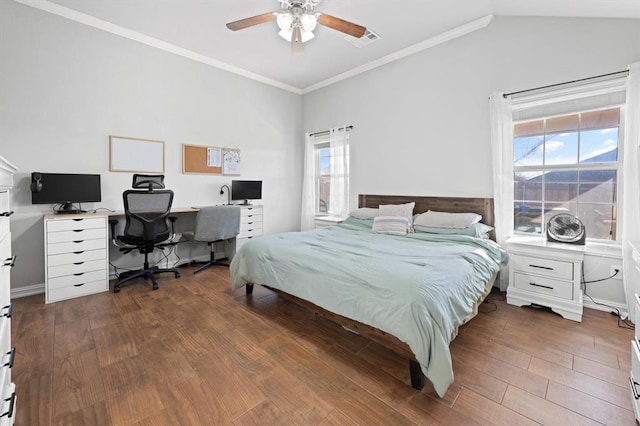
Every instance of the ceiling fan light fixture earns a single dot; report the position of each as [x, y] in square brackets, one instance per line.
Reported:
[308, 22]
[304, 35]
[284, 21]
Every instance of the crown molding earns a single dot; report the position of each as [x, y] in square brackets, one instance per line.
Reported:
[407, 51]
[109, 27]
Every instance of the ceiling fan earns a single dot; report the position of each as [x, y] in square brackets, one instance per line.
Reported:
[297, 20]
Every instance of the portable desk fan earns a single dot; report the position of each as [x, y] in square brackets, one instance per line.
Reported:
[566, 228]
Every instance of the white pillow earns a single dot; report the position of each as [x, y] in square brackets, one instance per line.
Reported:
[393, 225]
[405, 210]
[365, 213]
[447, 220]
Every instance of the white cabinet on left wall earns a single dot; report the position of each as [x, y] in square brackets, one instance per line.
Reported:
[7, 352]
[76, 256]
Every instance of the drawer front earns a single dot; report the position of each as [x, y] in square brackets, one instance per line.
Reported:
[542, 285]
[4, 213]
[248, 211]
[55, 225]
[76, 268]
[5, 333]
[75, 257]
[8, 405]
[76, 235]
[634, 385]
[245, 227]
[254, 232]
[62, 293]
[252, 218]
[547, 267]
[637, 318]
[5, 269]
[74, 246]
[77, 280]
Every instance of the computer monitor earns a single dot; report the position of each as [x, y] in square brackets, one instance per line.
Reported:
[65, 189]
[246, 190]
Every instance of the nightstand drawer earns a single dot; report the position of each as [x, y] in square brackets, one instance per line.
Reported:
[542, 285]
[547, 267]
[254, 232]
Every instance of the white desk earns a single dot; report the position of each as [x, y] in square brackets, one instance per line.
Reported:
[78, 250]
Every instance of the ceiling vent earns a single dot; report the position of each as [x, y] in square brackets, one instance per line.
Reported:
[368, 38]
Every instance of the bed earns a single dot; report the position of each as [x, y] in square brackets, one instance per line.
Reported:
[408, 292]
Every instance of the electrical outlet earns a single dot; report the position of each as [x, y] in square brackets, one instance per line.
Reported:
[617, 276]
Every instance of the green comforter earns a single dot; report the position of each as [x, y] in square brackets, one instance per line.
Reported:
[418, 287]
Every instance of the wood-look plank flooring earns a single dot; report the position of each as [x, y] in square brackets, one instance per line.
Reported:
[194, 352]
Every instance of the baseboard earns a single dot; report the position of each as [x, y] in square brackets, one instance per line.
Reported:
[610, 306]
[25, 291]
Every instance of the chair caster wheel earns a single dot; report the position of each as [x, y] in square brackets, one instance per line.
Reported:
[155, 286]
[177, 275]
[116, 290]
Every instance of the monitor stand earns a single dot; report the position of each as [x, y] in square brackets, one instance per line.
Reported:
[69, 208]
[245, 203]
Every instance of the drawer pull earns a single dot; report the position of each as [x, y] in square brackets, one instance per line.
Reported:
[78, 252]
[10, 262]
[78, 263]
[9, 309]
[12, 355]
[540, 285]
[77, 230]
[6, 214]
[79, 241]
[78, 285]
[77, 220]
[12, 400]
[633, 388]
[541, 267]
[78, 274]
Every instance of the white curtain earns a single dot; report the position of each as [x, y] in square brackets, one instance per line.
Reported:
[308, 185]
[339, 169]
[630, 211]
[502, 158]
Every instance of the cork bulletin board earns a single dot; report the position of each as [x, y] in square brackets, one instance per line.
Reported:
[199, 159]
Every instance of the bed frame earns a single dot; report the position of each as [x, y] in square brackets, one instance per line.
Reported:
[482, 206]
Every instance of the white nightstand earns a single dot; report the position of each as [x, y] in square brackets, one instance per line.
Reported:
[546, 274]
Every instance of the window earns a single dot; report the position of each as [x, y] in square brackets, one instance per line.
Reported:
[331, 174]
[569, 163]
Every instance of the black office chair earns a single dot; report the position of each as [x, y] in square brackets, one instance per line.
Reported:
[148, 225]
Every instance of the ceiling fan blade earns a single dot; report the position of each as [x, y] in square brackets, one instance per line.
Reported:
[341, 25]
[296, 41]
[249, 22]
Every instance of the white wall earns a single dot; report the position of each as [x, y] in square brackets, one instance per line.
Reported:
[421, 124]
[65, 87]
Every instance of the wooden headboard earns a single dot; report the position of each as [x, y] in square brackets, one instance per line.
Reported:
[481, 206]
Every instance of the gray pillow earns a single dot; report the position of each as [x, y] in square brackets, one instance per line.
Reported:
[475, 230]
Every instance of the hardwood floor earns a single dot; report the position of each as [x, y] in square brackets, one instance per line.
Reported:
[193, 352]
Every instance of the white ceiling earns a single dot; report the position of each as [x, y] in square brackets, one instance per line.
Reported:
[199, 27]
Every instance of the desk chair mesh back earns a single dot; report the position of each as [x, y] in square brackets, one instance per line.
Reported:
[215, 224]
[147, 227]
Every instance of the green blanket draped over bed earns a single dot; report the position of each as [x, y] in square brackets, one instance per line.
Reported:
[419, 287]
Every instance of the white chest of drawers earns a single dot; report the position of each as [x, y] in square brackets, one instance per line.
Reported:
[7, 261]
[546, 274]
[250, 224]
[634, 375]
[76, 256]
